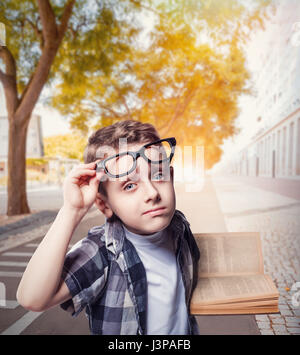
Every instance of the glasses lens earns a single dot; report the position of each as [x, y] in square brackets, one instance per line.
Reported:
[120, 165]
[158, 152]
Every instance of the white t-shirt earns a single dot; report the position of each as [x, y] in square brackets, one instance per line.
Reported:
[166, 308]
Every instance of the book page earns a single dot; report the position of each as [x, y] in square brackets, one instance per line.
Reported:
[229, 253]
[218, 290]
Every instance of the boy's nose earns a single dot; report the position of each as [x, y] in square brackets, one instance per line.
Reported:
[151, 192]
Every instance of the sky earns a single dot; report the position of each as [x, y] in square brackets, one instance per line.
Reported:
[247, 119]
[53, 123]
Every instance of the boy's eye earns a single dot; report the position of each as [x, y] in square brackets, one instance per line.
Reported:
[158, 176]
[126, 188]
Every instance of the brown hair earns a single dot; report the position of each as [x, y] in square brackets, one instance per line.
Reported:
[133, 131]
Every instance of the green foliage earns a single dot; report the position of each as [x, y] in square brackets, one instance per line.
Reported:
[186, 78]
[95, 28]
[36, 162]
[70, 146]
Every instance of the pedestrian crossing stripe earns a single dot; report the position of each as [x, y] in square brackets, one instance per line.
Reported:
[10, 274]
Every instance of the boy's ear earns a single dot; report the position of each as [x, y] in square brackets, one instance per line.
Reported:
[103, 206]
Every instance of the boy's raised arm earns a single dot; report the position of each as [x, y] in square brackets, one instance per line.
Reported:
[41, 286]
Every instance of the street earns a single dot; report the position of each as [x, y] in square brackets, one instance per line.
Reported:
[16, 320]
[43, 197]
[224, 204]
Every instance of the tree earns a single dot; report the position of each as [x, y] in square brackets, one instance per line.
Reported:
[33, 55]
[185, 85]
[70, 146]
[21, 99]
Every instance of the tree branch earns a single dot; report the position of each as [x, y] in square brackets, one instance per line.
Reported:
[52, 38]
[47, 16]
[116, 114]
[2, 76]
[26, 88]
[126, 107]
[181, 108]
[124, 103]
[175, 115]
[138, 4]
[9, 80]
[9, 61]
[65, 19]
[38, 32]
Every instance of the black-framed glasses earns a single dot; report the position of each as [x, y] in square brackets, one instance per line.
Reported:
[123, 164]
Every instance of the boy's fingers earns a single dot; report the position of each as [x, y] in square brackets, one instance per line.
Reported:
[86, 166]
[99, 174]
[82, 172]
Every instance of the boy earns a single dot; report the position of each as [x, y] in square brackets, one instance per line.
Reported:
[135, 274]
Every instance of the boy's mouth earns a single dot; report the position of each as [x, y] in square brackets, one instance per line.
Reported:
[155, 211]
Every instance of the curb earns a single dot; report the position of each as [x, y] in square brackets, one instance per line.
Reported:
[30, 228]
[27, 223]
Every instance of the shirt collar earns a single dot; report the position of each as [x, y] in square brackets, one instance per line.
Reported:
[115, 233]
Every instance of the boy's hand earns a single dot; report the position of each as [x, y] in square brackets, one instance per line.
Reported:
[81, 187]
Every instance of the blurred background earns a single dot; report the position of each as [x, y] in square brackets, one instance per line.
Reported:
[222, 76]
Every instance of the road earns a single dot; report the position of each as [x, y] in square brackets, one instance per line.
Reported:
[15, 319]
[43, 197]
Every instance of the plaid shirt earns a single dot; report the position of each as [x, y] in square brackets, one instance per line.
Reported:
[106, 277]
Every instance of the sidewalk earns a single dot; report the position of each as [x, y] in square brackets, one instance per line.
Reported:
[256, 206]
[25, 229]
[285, 187]
[204, 213]
[31, 227]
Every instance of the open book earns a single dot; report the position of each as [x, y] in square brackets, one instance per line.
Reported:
[231, 277]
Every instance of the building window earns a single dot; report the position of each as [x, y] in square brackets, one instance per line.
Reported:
[291, 149]
[278, 170]
[283, 150]
[265, 155]
[298, 148]
[269, 157]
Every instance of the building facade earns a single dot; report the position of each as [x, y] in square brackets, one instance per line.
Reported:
[34, 144]
[274, 151]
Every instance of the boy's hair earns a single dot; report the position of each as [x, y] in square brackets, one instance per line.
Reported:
[133, 131]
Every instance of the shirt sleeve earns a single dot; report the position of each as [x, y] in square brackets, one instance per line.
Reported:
[85, 273]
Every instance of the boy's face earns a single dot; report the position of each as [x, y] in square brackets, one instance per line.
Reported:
[132, 197]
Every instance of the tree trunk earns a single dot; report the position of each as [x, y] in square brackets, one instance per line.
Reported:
[20, 109]
[16, 189]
